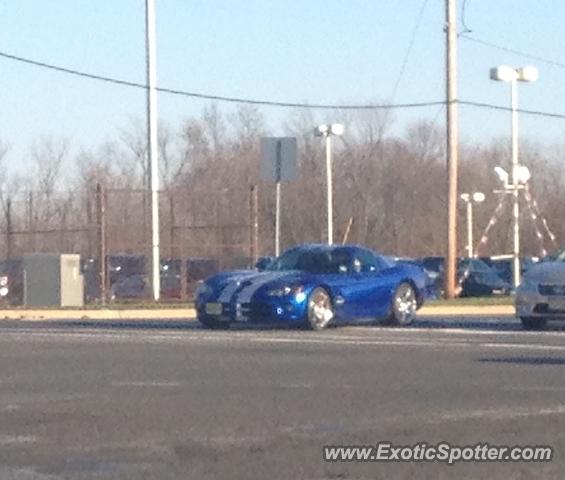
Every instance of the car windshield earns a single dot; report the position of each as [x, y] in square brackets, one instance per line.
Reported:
[433, 264]
[313, 261]
[475, 265]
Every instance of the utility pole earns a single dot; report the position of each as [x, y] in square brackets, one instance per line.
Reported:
[152, 150]
[30, 222]
[89, 229]
[452, 145]
[254, 224]
[102, 246]
[9, 228]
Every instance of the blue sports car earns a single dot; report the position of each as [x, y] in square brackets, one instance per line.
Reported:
[314, 286]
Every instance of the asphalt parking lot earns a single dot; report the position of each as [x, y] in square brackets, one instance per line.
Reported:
[167, 399]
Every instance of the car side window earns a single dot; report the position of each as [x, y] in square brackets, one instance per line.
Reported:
[341, 261]
[365, 261]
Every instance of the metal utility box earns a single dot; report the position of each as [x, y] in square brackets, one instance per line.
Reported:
[52, 279]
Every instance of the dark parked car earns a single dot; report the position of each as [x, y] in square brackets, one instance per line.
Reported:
[134, 286]
[504, 266]
[124, 266]
[170, 287]
[480, 280]
[139, 286]
[476, 278]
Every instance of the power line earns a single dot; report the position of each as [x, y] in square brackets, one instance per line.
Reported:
[466, 29]
[512, 50]
[508, 109]
[271, 103]
[409, 48]
[221, 98]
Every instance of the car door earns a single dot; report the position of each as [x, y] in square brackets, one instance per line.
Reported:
[365, 289]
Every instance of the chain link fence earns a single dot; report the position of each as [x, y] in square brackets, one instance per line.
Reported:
[200, 233]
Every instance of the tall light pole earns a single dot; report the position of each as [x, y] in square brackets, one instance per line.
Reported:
[152, 146]
[470, 199]
[504, 73]
[520, 176]
[327, 131]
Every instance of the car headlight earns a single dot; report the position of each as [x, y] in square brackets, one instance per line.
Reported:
[285, 291]
[203, 290]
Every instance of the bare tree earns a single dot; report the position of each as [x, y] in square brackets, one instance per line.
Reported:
[49, 155]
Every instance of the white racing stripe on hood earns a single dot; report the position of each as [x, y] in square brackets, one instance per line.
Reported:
[233, 284]
[228, 291]
[256, 283]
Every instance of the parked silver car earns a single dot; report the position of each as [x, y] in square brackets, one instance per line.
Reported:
[541, 295]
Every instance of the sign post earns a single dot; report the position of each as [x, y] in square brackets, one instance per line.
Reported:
[278, 164]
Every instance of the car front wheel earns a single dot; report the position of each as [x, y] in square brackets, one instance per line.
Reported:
[533, 323]
[320, 309]
[404, 306]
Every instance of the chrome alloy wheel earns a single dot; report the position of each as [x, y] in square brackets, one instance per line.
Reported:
[404, 305]
[320, 310]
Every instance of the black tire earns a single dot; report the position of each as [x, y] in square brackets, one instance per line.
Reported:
[533, 323]
[403, 307]
[213, 323]
[320, 309]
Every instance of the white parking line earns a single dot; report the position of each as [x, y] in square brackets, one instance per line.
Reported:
[534, 389]
[150, 384]
[351, 337]
[502, 413]
[523, 346]
[17, 439]
[525, 333]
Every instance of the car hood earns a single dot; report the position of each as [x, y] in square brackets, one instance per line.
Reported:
[244, 285]
[547, 272]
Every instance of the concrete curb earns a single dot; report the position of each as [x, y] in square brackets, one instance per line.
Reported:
[190, 313]
[100, 314]
[467, 310]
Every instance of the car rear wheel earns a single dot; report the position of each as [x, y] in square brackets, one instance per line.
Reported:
[213, 323]
[533, 323]
[320, 309]
[404, 306]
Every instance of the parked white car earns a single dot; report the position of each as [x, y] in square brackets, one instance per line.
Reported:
[541, 295]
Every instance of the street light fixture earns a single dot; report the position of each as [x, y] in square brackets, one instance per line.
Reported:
[504, 73]
[502, 175]
[470, 199]
[327, 131]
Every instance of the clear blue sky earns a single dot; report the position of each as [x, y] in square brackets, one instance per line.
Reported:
[314, 51]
